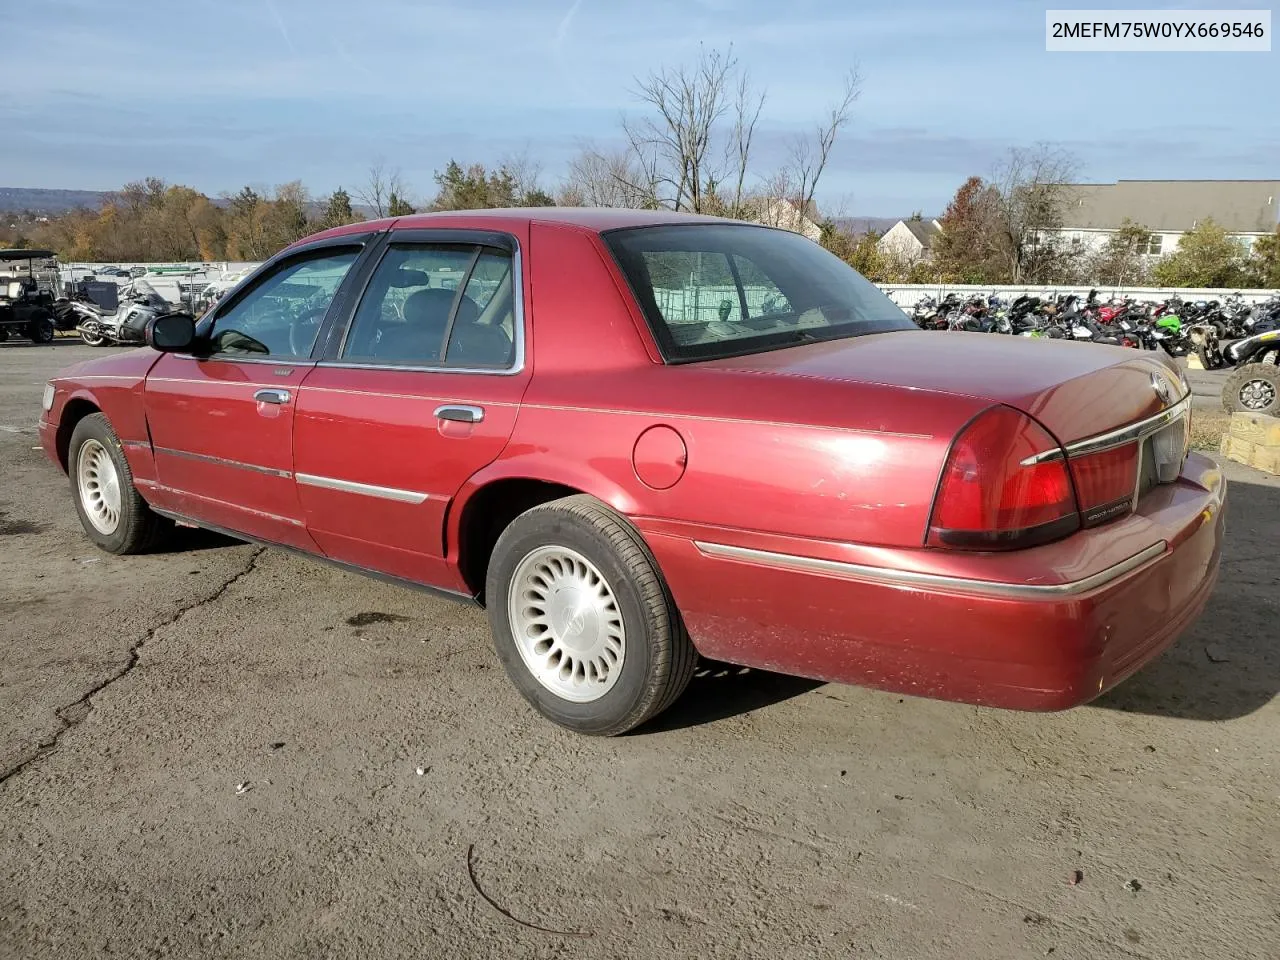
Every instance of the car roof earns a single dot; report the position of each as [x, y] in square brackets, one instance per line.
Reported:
[588, 219]
[591, 218]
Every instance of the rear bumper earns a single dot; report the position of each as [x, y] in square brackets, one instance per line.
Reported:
[1025, 644]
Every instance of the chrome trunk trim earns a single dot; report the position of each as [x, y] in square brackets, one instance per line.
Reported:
[1115, 438]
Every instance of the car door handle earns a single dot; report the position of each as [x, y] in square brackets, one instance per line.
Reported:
[272, 396]
[462, 413]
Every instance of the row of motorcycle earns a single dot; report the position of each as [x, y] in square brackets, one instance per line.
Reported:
[1229, 333]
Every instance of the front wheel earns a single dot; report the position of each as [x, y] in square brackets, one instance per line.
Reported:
[111, 510]
[1209, 359]
[582, 620]
[1253, 388]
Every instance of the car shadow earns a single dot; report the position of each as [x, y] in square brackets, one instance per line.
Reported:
[20, 343]
[1227, 664]
[195, 539]
[722, 690]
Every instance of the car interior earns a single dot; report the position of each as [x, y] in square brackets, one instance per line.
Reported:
[405, 316]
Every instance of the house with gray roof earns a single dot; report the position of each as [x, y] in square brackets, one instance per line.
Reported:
[1091, 212]
[910, 241]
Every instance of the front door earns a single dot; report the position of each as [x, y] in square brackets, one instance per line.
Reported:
[421, 393]
[222, 422]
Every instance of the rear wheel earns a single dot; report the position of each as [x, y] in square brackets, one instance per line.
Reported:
[42, 330]
[111, 510]
[582, 621]
[1253, 388]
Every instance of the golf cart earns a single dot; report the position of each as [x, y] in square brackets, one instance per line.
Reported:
[29, 285]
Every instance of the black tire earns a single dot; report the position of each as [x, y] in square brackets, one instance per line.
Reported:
[659, 658]
[1210, 361]
[1240, 376]
[42, 330]
[4, 334]
[139, 529]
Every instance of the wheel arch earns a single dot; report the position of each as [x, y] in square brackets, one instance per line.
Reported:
[77, 407]
[491, 499]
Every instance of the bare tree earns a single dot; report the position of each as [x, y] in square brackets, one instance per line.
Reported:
[381, 185]
[810, 153]
[692, 150]
[747, 104]
[526, 176]
[1032, 184]
[606, 179]
[676, 149]
[773, 204]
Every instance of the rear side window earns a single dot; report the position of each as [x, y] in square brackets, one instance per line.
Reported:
[712, 290]
[427, 305]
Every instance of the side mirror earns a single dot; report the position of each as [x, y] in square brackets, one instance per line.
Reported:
[171, 332]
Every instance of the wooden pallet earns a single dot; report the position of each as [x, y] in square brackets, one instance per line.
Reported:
[1254, 440]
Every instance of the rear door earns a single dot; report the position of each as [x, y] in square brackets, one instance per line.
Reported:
[420, 392]
[222, 421]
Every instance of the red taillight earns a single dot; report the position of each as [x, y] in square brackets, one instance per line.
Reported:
[994, 496]
[1105, 482]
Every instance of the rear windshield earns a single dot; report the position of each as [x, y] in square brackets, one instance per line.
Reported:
[713, 290]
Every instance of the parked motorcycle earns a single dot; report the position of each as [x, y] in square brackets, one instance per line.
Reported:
[1075, 323]
[70, 312]
[128, 325]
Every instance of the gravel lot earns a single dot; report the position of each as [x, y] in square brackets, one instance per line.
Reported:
[763, 816]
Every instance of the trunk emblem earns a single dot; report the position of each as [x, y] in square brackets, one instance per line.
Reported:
[1161, 387]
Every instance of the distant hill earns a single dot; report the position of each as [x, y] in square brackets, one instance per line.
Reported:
[50, 202]
[54, 202]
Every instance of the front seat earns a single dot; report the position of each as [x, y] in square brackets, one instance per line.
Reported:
[418, 339]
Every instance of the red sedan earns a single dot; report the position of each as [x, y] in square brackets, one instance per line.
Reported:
[637, 437]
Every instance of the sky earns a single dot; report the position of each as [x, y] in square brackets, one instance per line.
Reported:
[217, 94]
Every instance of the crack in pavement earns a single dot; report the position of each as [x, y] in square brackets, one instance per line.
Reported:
[1061, 921]
[70, 716]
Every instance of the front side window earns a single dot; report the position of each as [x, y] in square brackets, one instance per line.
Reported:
[448, 305]
[280, 317]
[711, 290]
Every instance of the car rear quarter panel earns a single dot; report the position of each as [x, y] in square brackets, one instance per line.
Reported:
[758, 455]
[799, 456]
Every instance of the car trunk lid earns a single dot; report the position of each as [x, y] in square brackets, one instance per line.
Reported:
[1076, 390]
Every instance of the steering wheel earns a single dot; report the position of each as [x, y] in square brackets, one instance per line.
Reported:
[303, 329]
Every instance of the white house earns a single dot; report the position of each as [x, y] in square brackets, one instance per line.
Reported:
[1246, 209]
[910, 241]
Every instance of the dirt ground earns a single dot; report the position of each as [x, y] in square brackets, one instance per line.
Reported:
[400, 800]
